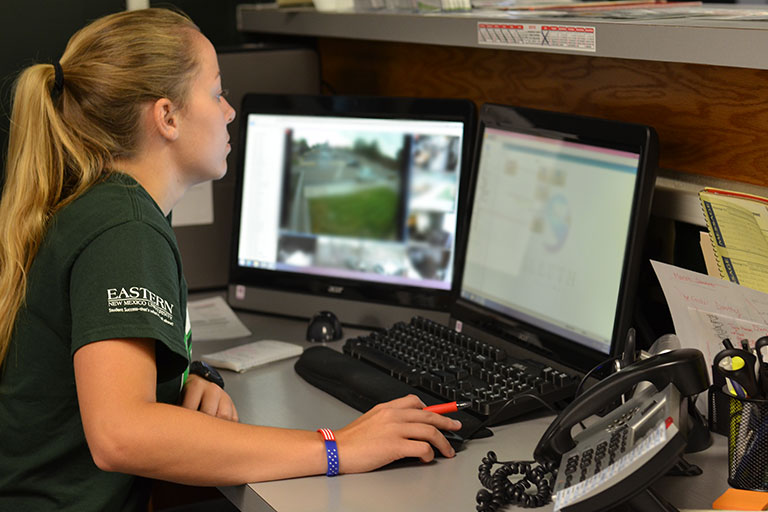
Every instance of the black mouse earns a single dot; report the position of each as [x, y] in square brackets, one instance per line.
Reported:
[454, 439]
[324, 326]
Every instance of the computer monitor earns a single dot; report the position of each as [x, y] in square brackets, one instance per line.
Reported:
[349, 204]
[560, 205]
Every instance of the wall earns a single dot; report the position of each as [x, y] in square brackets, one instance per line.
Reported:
[711, 120]
[37, 31]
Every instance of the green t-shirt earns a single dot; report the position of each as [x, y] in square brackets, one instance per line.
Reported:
[109, 267]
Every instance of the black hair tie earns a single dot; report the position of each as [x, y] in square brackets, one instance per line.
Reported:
[58, 81]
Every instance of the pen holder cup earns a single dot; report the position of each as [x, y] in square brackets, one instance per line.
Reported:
[748, 443]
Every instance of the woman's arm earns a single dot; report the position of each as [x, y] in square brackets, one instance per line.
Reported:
[128, 431]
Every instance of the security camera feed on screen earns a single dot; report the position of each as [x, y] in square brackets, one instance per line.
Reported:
[372, 199]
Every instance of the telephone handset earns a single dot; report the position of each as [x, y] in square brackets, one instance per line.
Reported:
[617, 457]
[684, 368]
[620, 455]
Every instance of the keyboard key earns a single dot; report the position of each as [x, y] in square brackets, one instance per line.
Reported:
[378, 358]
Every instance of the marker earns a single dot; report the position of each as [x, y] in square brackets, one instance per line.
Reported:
[738, 366]
[448, 407]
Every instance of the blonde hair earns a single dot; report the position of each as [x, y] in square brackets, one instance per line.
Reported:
[63, 141]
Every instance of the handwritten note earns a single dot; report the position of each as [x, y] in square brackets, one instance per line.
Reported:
[707, 309]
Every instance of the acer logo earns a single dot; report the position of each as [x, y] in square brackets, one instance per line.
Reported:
[335, 289]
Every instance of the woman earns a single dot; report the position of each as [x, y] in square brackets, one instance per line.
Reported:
[92, 330]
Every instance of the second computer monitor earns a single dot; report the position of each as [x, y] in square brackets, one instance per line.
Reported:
[559, 210]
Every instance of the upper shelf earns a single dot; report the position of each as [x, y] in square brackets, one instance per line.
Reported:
[691, 39]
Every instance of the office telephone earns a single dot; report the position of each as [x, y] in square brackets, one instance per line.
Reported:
[617, 457]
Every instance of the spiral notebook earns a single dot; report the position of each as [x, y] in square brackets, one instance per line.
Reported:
[738, 229]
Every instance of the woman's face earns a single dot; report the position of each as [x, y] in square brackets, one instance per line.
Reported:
[203, 136]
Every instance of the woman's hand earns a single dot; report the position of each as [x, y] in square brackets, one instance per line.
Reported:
[391, 431]
[204, 396]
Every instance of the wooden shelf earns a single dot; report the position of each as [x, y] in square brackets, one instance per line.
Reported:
[693, 39]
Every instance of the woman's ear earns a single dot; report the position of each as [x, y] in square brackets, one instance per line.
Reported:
[165, 119]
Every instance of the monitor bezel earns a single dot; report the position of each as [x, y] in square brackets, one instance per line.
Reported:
[335, 288]
[636, 138]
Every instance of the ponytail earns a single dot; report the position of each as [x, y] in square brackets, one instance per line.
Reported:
[69, 125]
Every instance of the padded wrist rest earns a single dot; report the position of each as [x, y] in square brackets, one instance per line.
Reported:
[362, 386]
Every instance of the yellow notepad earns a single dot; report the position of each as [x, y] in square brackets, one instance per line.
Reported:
[738, 228]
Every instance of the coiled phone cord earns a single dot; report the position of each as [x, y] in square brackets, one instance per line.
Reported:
[500, 490]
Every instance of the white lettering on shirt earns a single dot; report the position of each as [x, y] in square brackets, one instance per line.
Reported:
[139, 299]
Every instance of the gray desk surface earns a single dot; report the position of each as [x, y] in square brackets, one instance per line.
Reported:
[275, 395]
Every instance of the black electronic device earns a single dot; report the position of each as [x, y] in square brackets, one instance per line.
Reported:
[324, 326]
[206, 371]
[616, 459]
[353, 204]
[684, 368]
[559, 207]
[455, 367]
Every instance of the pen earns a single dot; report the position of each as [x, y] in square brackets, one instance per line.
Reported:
[734, 388]
[727, 343]
[448, 407]
[745, 345]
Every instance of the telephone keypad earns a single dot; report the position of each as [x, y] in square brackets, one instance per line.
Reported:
[628, 441]
[582, 465]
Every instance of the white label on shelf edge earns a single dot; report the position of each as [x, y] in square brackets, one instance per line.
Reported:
[537, 35]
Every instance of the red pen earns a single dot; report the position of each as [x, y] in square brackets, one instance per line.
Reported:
[448, 407]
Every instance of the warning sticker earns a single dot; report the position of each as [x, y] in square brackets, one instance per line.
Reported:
[534, 35]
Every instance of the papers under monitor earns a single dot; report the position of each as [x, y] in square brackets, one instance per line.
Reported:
[738, 228]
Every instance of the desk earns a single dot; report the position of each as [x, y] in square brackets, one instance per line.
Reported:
[275, 395]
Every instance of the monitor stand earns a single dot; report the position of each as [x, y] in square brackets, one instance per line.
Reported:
[350, 312]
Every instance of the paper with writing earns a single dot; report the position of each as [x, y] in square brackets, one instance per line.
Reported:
[707, 309]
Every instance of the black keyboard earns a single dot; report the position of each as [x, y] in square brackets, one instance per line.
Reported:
[452, 366]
